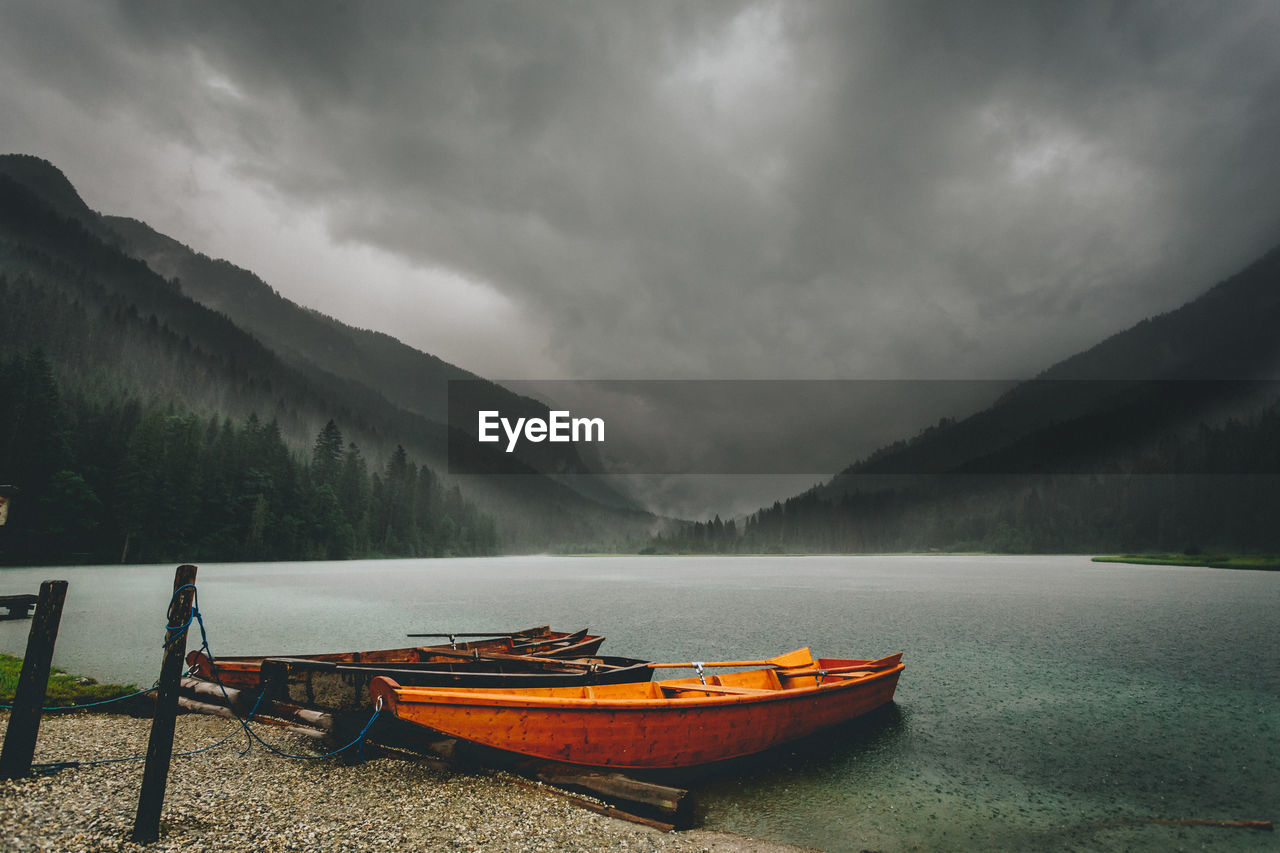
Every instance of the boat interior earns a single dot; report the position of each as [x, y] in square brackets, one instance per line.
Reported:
[755, 682]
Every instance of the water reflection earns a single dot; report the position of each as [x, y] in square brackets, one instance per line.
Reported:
[813, 759]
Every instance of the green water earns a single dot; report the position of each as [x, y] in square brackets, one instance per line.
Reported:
[1049, 703]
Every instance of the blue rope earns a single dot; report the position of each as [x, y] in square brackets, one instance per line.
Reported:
[103, 702]
[88, 705]
[195, 616]
[181, 629]
[55, 766]
[244, 721]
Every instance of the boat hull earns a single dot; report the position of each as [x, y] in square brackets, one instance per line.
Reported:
[675, 727]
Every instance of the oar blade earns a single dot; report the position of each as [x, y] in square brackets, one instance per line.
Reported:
[792, 660]
[798, 658]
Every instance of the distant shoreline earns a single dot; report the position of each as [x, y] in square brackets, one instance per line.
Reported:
[1256, 562]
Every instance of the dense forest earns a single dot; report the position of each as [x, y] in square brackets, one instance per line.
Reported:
[137, 482]
[214, 342]
[1150, 502]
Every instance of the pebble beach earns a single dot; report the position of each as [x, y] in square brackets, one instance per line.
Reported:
[223, 800]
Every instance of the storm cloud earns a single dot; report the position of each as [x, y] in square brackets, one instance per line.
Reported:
[690, 190]
[681, 190]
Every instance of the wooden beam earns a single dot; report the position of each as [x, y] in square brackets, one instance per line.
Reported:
[155, 775]
[673, 804]
[33, 683]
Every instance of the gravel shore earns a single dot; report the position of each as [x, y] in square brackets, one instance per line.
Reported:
[221, 800]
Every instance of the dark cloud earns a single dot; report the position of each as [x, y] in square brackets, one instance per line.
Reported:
[697, 190]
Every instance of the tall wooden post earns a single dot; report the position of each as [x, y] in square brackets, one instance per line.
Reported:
[155, 776]
[33, 681]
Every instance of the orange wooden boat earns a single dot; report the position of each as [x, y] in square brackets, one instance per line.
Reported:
[664, 724]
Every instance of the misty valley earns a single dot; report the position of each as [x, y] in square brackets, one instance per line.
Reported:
[160, 405]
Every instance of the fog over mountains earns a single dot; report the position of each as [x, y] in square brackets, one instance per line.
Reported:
[205, 337]
[763, 241]
[122, 311]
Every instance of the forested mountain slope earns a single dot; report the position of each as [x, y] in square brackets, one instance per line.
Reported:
[1163, 437]
[113, 332]
[1161, 375]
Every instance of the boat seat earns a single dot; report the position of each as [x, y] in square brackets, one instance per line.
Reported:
[716, 688]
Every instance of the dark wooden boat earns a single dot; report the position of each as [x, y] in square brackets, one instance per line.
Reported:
[667, 724]
[18, 606]
[340, 680]
[244, 672]
[345, 686]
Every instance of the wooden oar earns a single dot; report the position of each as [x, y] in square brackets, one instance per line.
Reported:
[473, 634]
[501, 657]
[872, 666]
[566, 640]
[791, 660]
[869, 666]
[536, 631]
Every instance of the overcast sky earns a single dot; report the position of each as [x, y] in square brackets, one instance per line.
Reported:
[692, 190]
[680, 190]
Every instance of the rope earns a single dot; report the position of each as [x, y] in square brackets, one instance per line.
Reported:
[253, 736]
[359, 739]
[89, 704]
[181, 629]
[195, 616]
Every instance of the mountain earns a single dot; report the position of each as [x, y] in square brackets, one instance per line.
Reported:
[1165, 436]
[331, 352]
[121, 312]
[1218, 353]
[306, 339]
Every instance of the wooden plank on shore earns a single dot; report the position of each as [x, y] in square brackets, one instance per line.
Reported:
[313, 718]
[195, 706]
[244, 701]
[211, 690]
[603, 808]
[646, 802]
[669, 801]
[306, 731]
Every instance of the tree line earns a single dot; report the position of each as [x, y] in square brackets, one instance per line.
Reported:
[1144, 502]
[128, 481]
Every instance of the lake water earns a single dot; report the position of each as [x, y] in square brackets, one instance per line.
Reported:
[1049, 703]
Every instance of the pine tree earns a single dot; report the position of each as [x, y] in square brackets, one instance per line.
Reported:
[326, 456]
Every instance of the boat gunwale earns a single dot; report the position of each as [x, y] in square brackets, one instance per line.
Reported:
[574, 639]
[520, 698]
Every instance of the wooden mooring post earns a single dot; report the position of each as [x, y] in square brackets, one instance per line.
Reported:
[33, 682]
[155, 775]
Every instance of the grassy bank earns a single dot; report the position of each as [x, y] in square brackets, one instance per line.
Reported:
[1264, 562]
[64, 689]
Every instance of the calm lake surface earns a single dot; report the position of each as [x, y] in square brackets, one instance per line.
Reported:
[1049, 703]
